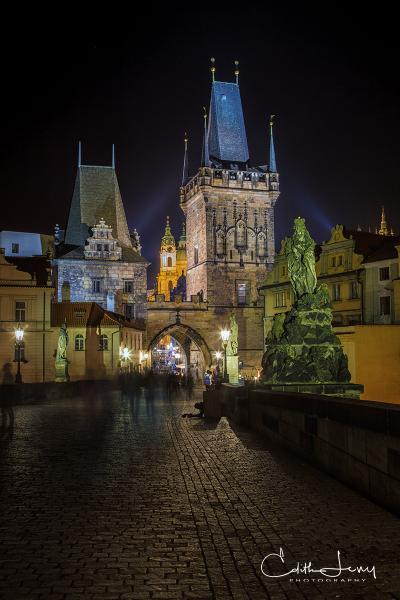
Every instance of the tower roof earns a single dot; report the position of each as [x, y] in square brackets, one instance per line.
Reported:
[96, 195]
[227, 141]
[168, 238]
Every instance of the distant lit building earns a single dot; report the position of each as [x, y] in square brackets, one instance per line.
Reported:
[23, 244]
[172, 262]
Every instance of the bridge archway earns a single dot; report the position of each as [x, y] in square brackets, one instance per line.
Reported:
[189, 339]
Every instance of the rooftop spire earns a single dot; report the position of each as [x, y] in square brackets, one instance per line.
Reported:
[168, 239]
[79, 154]
[113, 157]
[384, 230]
[237, 71]
[205, 158]
[213, 68]
[185, 171]
[272, 159]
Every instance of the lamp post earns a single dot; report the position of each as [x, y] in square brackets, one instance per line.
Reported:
[225, 333]
[19, 337]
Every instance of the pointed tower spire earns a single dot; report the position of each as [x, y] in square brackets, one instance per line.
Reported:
[237, 71]
[185, 171]
[205, 157]
[213, 68]
[384, 230]
[168, 238]
[79, 154]
[113, 156]
[272, 159]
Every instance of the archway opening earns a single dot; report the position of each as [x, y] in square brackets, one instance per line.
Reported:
[181, 350]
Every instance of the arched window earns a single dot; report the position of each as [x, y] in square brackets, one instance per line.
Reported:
[79, 342]
[169, 262]
[241, 234]
[220, 243]
[261, 244]
[103, 342]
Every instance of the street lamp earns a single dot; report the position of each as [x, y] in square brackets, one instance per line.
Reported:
[225, 333]
[19, 337]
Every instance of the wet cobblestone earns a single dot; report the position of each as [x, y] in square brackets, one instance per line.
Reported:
[119, 498]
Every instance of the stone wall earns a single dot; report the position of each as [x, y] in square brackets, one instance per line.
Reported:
[80, 273]
[356, 441]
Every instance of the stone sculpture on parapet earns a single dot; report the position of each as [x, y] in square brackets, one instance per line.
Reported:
[302, 347]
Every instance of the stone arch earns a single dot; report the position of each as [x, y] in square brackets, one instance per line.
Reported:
[182, 332]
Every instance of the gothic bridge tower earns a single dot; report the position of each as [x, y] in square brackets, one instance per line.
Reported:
[229, 207]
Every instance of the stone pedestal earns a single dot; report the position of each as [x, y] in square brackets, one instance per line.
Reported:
[62, 374]
[232, 367]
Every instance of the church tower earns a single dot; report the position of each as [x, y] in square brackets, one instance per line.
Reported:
[229, 207]
[172, 261]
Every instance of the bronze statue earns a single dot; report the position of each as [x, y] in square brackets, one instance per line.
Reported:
[299, 251]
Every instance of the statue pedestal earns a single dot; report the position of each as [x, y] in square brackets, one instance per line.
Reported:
[232, 367]
[62, 370]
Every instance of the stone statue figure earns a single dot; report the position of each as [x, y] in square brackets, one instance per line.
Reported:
[232, 347]
[299, 251]
[62, 343]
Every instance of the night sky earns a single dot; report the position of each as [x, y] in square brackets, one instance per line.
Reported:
[140, 82]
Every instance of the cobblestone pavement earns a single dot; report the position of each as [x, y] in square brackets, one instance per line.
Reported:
[120, 498]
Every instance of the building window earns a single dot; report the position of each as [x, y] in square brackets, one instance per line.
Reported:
[354, 290]
[170, 286]
[164, 260]
[106, 247]
[241, 293]
[103, 342]
[128, 286]
[340, 261]
[19, 353]
[196, 255]
[252, 255]
[230, 254]
[15, 248]
[384, 305]
[79, 342]
[169, 262]
[98, 247]
[336, 292]
[384, 274]
[284, 271]
[333, 261]
[20, 311]
[129, 311]
[280, 299]
[96, 286]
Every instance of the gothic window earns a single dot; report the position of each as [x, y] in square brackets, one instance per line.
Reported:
[241, 234]
[79, 342]
[103, 342]
[128, 286]
[169, 261]
[220, 243]
[196, 255]
[262, 244]
[20, 311]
